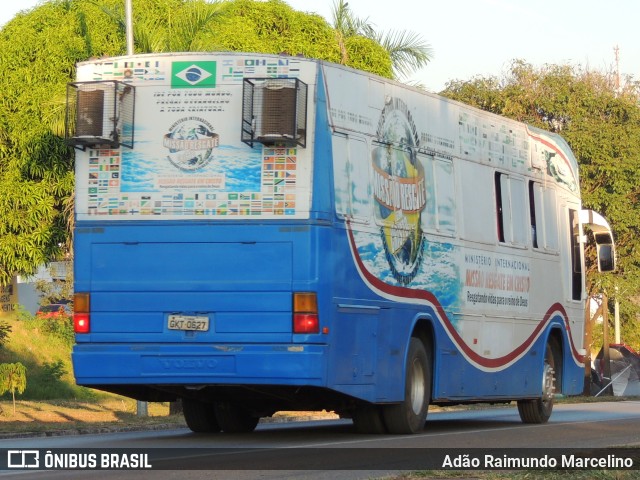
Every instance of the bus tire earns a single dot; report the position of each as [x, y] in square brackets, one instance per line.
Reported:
[410, 415]
[369, 419]
[200, 416]
[235, 419]
[539, 410]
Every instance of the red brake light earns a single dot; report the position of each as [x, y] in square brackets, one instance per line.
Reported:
[305, 323]
[81, 313]
[81, 323]
[305, 313]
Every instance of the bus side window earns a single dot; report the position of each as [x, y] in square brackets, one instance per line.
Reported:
[511, 209]
[476, 205]
[340, 174]
[445, 196]
[576, 255]
[550, 220]
[359, 179]
[536, 214]
[351, 160]
[499, 206]
[532, 215]
[517, 200]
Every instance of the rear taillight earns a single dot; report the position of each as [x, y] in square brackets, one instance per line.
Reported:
[305, 313]
[81, 316]
[305, 323]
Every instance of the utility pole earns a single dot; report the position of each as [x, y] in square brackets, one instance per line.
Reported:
[605, 345]
[616, 50]
[616, 313]
[142, 409]
[588, 328]
[128, 18]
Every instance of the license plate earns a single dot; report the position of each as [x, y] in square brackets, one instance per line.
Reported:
[188, 322]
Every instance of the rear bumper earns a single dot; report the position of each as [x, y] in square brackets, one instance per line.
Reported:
[172, 364]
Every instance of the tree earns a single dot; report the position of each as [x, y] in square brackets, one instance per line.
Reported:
[162, 31]
[5, 331]
[35, 164]
[38, 53]
[602, 126]
[408, 50]
[13, 377]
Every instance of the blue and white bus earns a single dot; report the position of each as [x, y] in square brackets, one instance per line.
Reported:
[259, 233]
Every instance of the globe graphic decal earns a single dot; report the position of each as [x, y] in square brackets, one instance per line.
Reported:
[399, 193]
[193, 74]
[190, 142]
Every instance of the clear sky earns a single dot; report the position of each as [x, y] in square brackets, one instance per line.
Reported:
[481, 37]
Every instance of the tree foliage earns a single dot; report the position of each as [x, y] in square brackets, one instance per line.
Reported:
[5, 331]
[602, 126]
[13, 378]
[407, 50]
[38, 53]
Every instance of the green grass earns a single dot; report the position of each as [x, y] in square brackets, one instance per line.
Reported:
[43, 346]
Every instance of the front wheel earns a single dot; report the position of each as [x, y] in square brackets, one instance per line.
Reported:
[410, 415]
[539, 410]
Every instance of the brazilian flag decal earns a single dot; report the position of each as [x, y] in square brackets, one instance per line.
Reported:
[193, 75]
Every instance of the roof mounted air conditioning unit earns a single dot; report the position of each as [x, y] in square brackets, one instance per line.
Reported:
[100, 113]
[274, 111]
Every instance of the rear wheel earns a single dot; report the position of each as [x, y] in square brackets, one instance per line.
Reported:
[410, 415]
[235, 419]
[539, 410]
[368, 419]
[200, 416]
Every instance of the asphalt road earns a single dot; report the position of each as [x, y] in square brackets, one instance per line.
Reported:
[330, 449]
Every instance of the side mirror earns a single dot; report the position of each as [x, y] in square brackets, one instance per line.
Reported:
[606, 252]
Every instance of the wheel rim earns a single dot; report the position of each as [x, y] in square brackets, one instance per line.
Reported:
[417, 386]
[548, 384]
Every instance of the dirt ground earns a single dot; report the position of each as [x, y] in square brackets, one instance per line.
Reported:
[52, 417]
